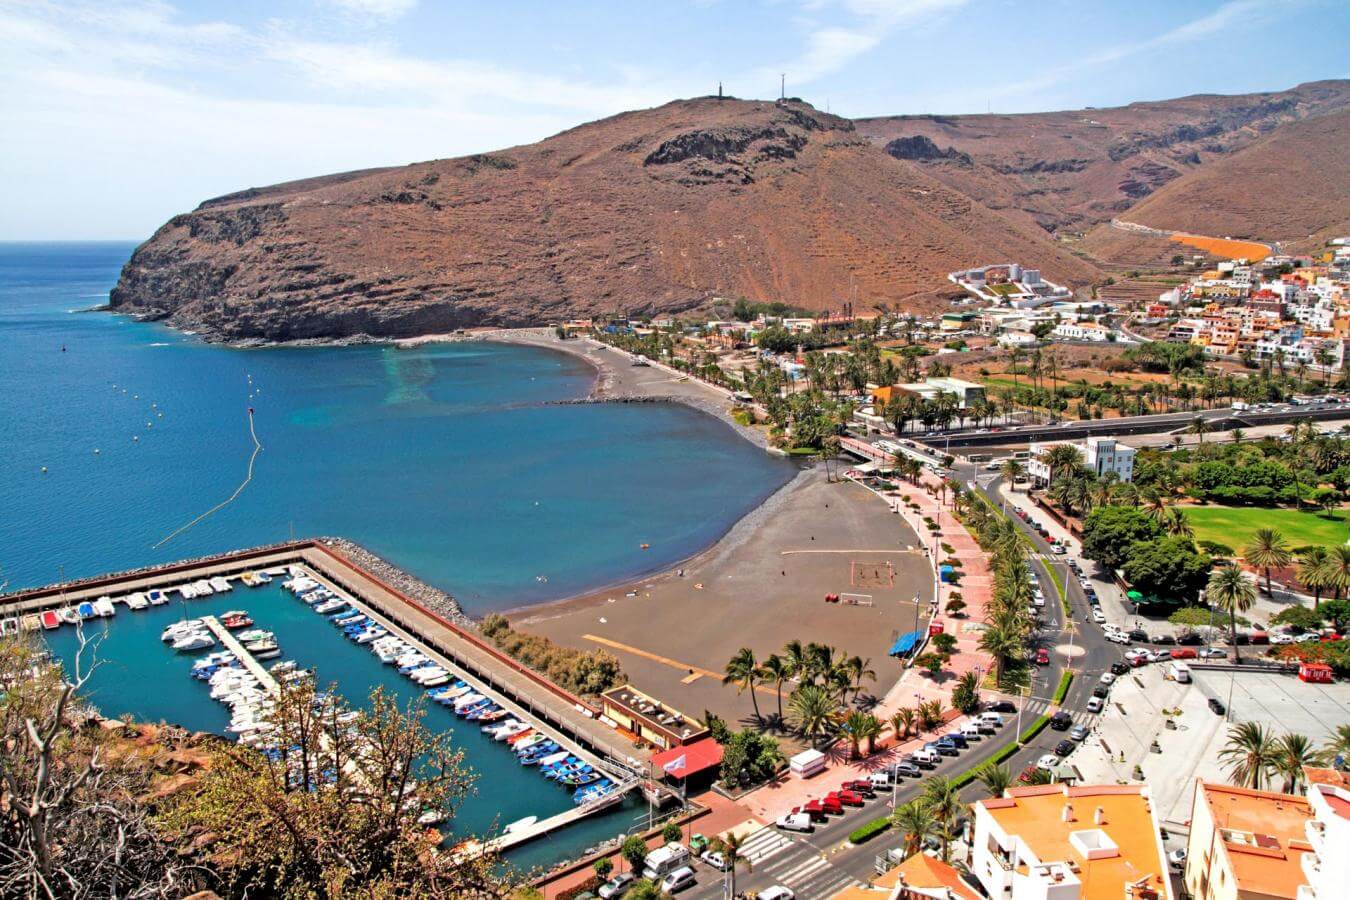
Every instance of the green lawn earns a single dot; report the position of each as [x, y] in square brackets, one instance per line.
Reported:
[1233, 526]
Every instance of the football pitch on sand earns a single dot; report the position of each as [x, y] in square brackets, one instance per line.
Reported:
[1233, 526]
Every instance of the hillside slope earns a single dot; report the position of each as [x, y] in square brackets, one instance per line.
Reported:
[645, 212]
[1290, 186]
[1070, 170]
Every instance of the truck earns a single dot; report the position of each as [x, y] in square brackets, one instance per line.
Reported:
[665, 860]
[1239, 406]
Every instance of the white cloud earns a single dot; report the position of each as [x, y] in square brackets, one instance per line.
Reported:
[374, 9]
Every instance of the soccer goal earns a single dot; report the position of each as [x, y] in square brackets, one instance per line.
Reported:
[856, 599]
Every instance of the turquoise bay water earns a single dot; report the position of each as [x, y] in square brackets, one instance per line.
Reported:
[445, 459]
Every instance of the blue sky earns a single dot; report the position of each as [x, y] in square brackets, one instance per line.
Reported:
[120, 113]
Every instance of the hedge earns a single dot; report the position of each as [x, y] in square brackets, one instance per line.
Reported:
[866, 832]
[1060, 692]
[1036, 728]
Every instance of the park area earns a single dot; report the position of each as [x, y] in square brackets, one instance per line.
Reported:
[1233, 526]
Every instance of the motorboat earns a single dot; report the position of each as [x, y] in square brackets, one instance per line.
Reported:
[236, 619]
[250, 579]
[69, 614]
[30, 622]
[177, 629]
[264, 577]
[214, 659]
[157, 598]
[525, 735]
[546, 750]
[187, 591]
[221, 585]
[137, 601]
[485, 714]
[330, 606]
[467, 701]
[203, 588]
[51, 619]
[512, 728]
[431, 817]
[10, 625]
[526, 743]
[547, 762]
[266, 650]
[86, 610]
[103, 606]
[373, 634]
[194, 640]
[427, 671]
[253, 634]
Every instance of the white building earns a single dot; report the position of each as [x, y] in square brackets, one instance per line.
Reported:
[1055, 842]
[1099, 454]
[1081, 331]
[967, 393]
[1328, 865]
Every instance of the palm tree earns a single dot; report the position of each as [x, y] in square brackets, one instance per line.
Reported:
[1012, 470]
[1267, 550]
[1198, 427]
[1230, 591]
[1177, 523]
[917, 822]
[859, 670]
[1338, 569]
[903, 722]
[1312, 572]
[1337, 746]
[943, 798]
[861, 727]
[794, 657]
[1059, 458]
[812, 710]
[1249, 755]
[743, 671]
[776, 669]
[995, 778]
[731, 852]
[1292, 753]
[930, 714]
[1155, 504]
[1003, 644]
[1237, 435]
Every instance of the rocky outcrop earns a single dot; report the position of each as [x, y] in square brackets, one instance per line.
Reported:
[655, 211]
[921, 148]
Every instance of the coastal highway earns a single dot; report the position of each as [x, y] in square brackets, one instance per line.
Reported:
[1224, 419]
[821, 862]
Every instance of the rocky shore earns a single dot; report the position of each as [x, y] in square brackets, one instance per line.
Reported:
[434, 599]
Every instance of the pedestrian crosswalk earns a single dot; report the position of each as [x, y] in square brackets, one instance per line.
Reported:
[792, 863]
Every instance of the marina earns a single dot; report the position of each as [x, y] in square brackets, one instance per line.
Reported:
[521, 732]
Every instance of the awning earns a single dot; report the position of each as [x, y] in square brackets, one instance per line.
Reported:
[681, 762]
[906, 643]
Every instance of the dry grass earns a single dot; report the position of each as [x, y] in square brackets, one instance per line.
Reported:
[1228, 249]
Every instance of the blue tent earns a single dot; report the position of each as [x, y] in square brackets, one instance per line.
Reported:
[906, 643]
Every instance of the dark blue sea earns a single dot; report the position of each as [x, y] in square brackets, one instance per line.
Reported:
[446, 459]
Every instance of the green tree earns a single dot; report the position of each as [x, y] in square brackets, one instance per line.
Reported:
[1312, 572]
[1299, 617]
[995, 778]
[634, 851]
[860, 727]
[916, 822]
[903, 722]
[1111, 532]
[1168, 568]
[743, 671]
[603, 866]
[776, 669]
[1292, 753]
[966, 694]
[811, 709]
[671, 833]
[942, 796]
[1338, 569]
[1337, 612]
[1249, 754]
[643, 889]
[1003, 644]
[1267, 550]
[1230, 591]
[1336, 748]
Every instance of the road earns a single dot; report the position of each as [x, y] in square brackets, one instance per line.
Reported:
[822, 862]
[1224, 419]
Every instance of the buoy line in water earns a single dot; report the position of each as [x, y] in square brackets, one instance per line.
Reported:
[257, 448]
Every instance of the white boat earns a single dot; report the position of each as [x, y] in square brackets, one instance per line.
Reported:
[537, 738]
[510, 729]
[265, 577]
[520, 824]
[103, 606]
[468, 699]
[374, 634]
[436, 681]
[178, 629]
[426, 673]
[329, 606]
[194, 640]
[249, 579]
[253, 634]
[554, 758]
[203, 588]
[69, 615]
[157, 598]
[137, 601]
[271, 651]
[220, 584]
[187, 591]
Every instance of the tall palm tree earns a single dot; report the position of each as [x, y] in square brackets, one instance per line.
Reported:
[1237, 435]
[794, 657]
[811, 709]
[743, 671]
[776, 669]
[1177, 523]
[1249, 754]
[1012, 470]
[1292, 753]
[1267, 550]
[1198, 427]
[859, 670]
[731, 852]
[1060, 458]
[1230, 591]
[1155, 504]
[995, 778]
[1312, 572]
[1003, 644]
[943, 798]
[903, 721]
[1337, 746]
[917, 822]
[1338, 569]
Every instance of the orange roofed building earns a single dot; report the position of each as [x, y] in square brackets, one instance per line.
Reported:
[1246, 844]
[921, 877]
[1060, 842]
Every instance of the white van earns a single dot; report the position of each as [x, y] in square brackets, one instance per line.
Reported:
[1179, 673]
[991, 718]
[665, 860]
[971, 731]
[926, 757]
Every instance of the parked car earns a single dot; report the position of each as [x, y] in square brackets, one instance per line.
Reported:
[956, 738]
[1211, 653]
[1184, 653]
[1094, 704]
[1042, 657]
[860, 786]
[1190, 639]
[1107, 679]
[1001, 706]
[716, 859]
[1061, 720]
[1079, 733]
[1160, 655]
[1307, 638]
[1137, 653]
[776, 892]
[1102, 690]
[1176, 859]
[1098, 616]
[1047, 762]
[1064, 748]
[1119, 668]
[617, 886]
[847, 798]
[1138, 634]
[678, 880]
[1164, 639]
[1280, 637]
[908, 769]
[1216, 706]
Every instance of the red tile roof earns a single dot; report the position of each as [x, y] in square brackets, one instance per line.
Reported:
[698, 756]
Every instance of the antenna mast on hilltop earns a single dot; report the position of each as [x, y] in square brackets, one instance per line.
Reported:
[719, 90]
[782, 86]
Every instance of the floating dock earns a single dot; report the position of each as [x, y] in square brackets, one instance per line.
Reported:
[247, 659]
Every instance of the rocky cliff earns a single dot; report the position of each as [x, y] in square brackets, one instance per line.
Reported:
[647, 212]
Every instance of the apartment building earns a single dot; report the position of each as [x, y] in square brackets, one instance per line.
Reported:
[1099, 454]
[1326, 867]
[1246, 844]
[1060, 842]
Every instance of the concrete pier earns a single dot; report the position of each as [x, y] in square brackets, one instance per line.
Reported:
[245, 658]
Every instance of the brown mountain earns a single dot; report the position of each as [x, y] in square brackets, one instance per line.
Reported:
[1289, 186]
[1071, 170]
[651, 211]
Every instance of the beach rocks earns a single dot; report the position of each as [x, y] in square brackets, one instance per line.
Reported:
[434, 599]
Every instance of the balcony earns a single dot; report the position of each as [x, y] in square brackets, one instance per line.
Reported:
[1317, 834]
[1312, 867]
[1305, 892]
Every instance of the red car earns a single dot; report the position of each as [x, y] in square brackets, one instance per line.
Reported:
[860, 786]
[812, 809]
[1042, 657]
[1183, 653]
[847, 798]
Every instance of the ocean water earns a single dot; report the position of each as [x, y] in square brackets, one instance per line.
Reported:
[445, 459]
